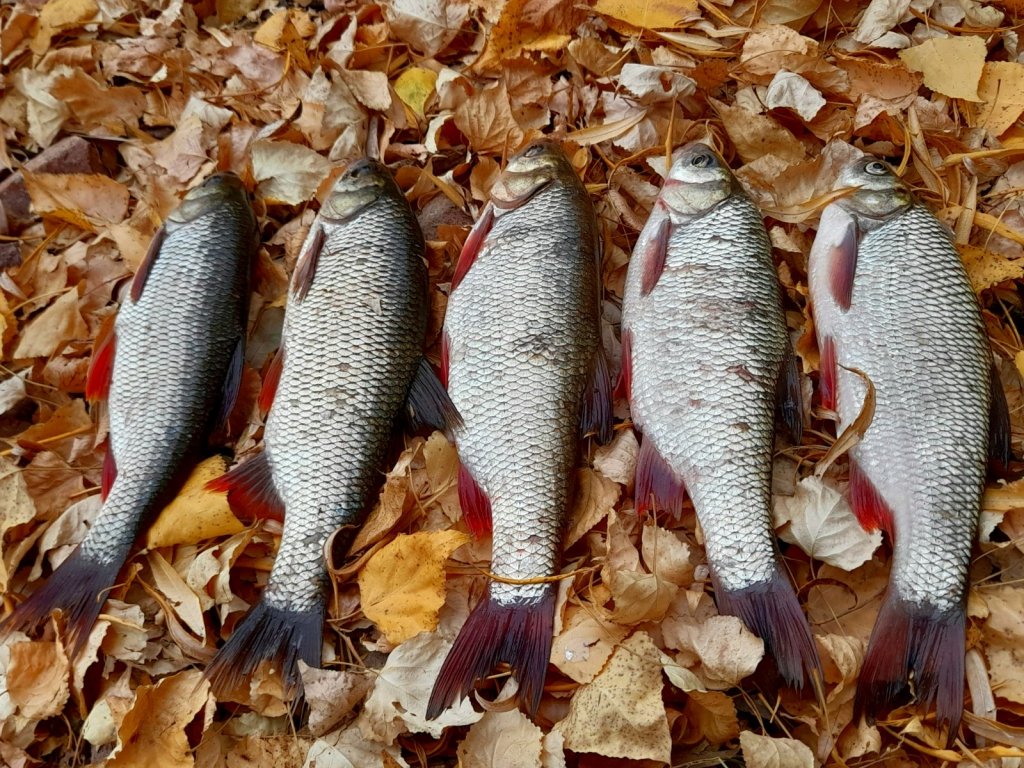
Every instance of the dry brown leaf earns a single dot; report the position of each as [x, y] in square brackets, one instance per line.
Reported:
[1001, 91]
[37, 678]
[728, 651]
[951, 66]
[180, 596]
[767, 752]
[758, 135]
[585, 643]
[51, 330]
[502, 740]
[1004, 640]
[714, 714]
[88, 201]
[654, 14]
[331, 694]
[617, 460]
[59, 15]
[286, 172]
[595, 498]
[16, 509]
[427, 25]
[488, 123]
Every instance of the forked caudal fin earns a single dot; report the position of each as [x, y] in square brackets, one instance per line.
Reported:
[78, 589]
[923, 642]
[519, 634]
[268, 634]
[772, 612]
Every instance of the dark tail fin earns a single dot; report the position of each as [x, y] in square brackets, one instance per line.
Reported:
[78, 589]
[519, 634]
[273, 634]
[772, 612]
[929, 644]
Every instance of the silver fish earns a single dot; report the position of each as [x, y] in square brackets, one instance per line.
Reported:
[526, 371]
[351, 355]
[892, 302]
[179, 342]
[704, 357]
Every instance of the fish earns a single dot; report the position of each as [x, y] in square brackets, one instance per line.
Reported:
[706, 367]
[524, 366]
[350, 363]
[169, 368]
[893, 306]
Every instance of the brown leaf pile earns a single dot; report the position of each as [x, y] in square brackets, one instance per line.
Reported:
[110, 110]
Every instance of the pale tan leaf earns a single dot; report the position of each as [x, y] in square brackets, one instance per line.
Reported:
[51, 330]
[286, 172]
[951, 66]
[16, 508]
[585, 643]
[766, 752]
[502, 740]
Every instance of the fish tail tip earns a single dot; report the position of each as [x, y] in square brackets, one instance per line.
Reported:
[772, 611]
[519, 634]
[921, 641]
[268, 633]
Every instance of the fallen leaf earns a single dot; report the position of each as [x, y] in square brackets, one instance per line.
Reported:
[767, 752]
[986, 269]
[50, 331]
[287, 173]
[617, 460]
[427, 25]
[652, 14]
[59, 15]
[951, 66]
[585, 643]
[414, 87]
[715, 716]
[331, 694]
[88, 201]
[1001, 91]
[37, 678]
[1004, 640]
[758, 135]
[595, 498]
[488, 123]
[728, 651]
[501, 740]
[180, 596]
[788, 89]
[195, 514]
[16, 508]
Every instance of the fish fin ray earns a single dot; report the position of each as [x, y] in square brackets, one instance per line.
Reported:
[791, 397]
[654, 256]
[109, 473]
[624, 386]
[305, 265]
[268, 390]
[446, 351]
[471, 248]
[596, 412]
[843, 265]
[142, 274]
[232, 382]
[250, 489]
[657, 481]
[868, 505]
[828, 373]
[1000, 450]
[101, 365]
[476, 506]
[428, 403]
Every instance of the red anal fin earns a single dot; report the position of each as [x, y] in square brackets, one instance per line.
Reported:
[250, 489]
[519, 634]
[305, 265]
[270, 381]
[109, 474]
[596, 417]
[1000, 450]
[471, 248]
[428, 404]
[791, 397]
[843, 265]
[655, 253]
[232, 382]
[868, 504]
[142, 275]
[827, 369]
[101, 365]
[657, 485]
[919, 640]
[772, 611]
[476, 507]
[624, 386]
[446, 351]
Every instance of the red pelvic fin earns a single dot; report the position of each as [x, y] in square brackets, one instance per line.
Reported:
[519, 634]
[596, 415]
[78, 589]
[657, 485]
[270, 381]
[250, 489]
[305, 265]
[232, 382]
[268, 634]
[428, 404]
[791, 397]
[471, 248]
[109, 474]
[624, 386]
[101, 365]
[476, 507]
[772, 612]
[842, 261]
[929, 644]
[999, 447]
[142, 275]
[654, 255]
[828, 370]
[871, 509]
[446, 350]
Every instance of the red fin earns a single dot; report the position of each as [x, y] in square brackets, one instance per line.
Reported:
[428, 404]
[139, 281]
[250, 489]
[78, 589]
[656, 483]
[446, 349]
[519, 634]
[268, 634]
[232, 382]
[772, 612]
[827, 370]
[791, 397]
[101, 365]
[305, 265]
[1000, 450]
[270, 381]
[596, 416]
[109, 473]
[476, 507]
[868, 504]
[655, 252]
[909, 639]
[843, 266]
[624, 386]
[471, 248]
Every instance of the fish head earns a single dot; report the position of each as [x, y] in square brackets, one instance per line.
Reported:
[530, 171]
[361, 185]
[216, 190]
[877, 192]
[697, 181]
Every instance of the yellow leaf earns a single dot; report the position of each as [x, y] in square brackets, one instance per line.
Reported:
[401, 588]
[88, 201]
[985, 268]
[58, 15]
[415, 86]
[951, 66]
[647, 14]
[1001, 91]
[196, 513]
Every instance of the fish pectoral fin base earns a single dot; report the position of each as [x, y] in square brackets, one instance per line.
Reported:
[519, 634]
[250, 489]
[474, 242]
[271, 379]
[827, 372]
[78, 589]
[271, 634]
[868, 505]
[791, 397]
[596, 410]
[101, 364]
[999, 449]
[910, 639]
[428, 404]
[476, 506]
[657, 485]
[624, 386]
[772, 611]
[109, 474]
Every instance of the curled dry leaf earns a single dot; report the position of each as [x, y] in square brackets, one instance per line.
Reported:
[37, 678]
[331, 695]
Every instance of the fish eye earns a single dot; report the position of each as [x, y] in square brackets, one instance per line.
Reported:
[359, 170]
[535, 151]
[876, 168]
[703, 160]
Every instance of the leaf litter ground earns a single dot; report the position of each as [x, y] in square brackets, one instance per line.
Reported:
[110, 110]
